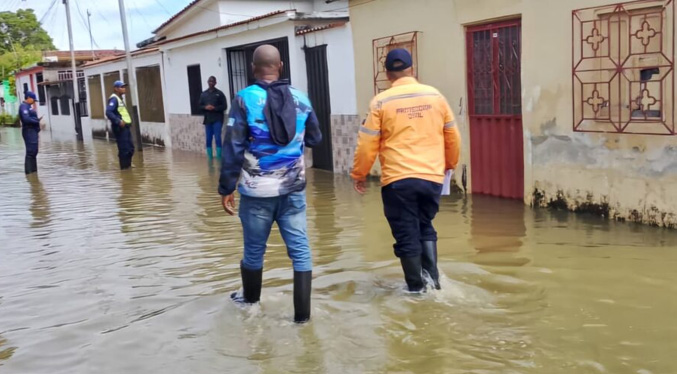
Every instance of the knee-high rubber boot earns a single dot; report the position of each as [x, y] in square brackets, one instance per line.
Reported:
[412, 273]
[27, 165]
[30, 165]
[302, 287]
[209, 152]
[218, 152]
[429, 262]
[251, 286]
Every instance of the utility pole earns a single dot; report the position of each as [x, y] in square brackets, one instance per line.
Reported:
[91, 38]
[76, 87]
[133, 98]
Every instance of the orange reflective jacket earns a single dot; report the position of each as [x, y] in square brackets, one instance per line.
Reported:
[412, 130]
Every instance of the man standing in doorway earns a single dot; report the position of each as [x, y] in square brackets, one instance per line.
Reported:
[213, 104]
[30, 127]
[270, 124]
[412, 130]
[121, 121]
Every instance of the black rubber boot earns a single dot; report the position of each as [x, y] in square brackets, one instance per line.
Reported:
[303, 281]
[412, 273]
[429, 262]
[251, 286]
[30, 165]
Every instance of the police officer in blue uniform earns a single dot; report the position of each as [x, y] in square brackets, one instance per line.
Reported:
[121, 121]
[30, 127]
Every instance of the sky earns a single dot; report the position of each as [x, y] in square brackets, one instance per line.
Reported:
[143, 16]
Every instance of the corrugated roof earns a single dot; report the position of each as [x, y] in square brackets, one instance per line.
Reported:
[177, 15]
[243, 22]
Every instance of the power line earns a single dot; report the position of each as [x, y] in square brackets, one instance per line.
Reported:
[139, 13]
[51, 6]
[83, 21]
[163, 7]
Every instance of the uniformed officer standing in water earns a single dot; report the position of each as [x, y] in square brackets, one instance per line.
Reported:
[121, 121]
[30, 127]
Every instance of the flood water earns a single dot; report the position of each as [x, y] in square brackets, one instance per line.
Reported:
[103, 271]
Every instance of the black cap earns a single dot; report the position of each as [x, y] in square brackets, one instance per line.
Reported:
[398, 59]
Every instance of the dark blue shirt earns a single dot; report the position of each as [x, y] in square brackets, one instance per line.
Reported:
[112, 111]
[29, 117]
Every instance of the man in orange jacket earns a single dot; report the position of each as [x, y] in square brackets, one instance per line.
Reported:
[412, 130]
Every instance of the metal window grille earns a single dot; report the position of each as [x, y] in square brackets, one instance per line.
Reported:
[494, 80]
[384, 45]
[623, 68]
[240, 59]
[65, 75]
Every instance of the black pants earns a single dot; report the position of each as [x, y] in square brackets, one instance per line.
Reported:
[31, 140]
[123, 136]
[410, 206]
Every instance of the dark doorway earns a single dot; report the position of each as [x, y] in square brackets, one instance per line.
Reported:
[240, 58]
[318, 92]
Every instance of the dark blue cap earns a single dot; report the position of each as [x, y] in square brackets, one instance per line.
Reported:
[398, 59]
[119, 84]
[30, 94]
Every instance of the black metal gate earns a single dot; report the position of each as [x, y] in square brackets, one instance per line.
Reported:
[240, 60]
[318, 92]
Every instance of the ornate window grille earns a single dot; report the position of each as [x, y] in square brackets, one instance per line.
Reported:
[382, 46]
[623, 68]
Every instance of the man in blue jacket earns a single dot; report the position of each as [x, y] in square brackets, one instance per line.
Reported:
[30, 127]
[121, 122]
[270, 124]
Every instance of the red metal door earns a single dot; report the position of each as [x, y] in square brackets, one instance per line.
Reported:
[495, 109]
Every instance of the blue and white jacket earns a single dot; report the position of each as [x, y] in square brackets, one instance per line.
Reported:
[250, 157]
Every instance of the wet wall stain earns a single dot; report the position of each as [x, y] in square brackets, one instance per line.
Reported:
[651, 216]
[99, 134]
[145, 139]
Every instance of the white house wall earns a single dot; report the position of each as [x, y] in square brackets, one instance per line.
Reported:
[341, 66]
[238, 10]
[341, 69]
[151, 132]
[203, 16]
[187, 131]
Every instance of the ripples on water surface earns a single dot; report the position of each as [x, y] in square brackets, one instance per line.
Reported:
[110, 272]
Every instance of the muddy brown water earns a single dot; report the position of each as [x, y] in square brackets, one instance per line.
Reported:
[110, 272]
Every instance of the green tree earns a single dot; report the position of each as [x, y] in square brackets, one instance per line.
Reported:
[23, 29]
[22, 39]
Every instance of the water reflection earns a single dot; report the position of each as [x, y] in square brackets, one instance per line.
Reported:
[98, 264]
[497, 228]
[39, 208]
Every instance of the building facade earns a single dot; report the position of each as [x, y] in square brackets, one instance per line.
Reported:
[562, 103]
[217, 38]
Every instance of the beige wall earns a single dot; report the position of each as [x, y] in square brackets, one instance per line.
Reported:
[634, 174]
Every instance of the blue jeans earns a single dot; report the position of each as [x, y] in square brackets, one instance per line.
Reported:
[213, 131]
[257, 216]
